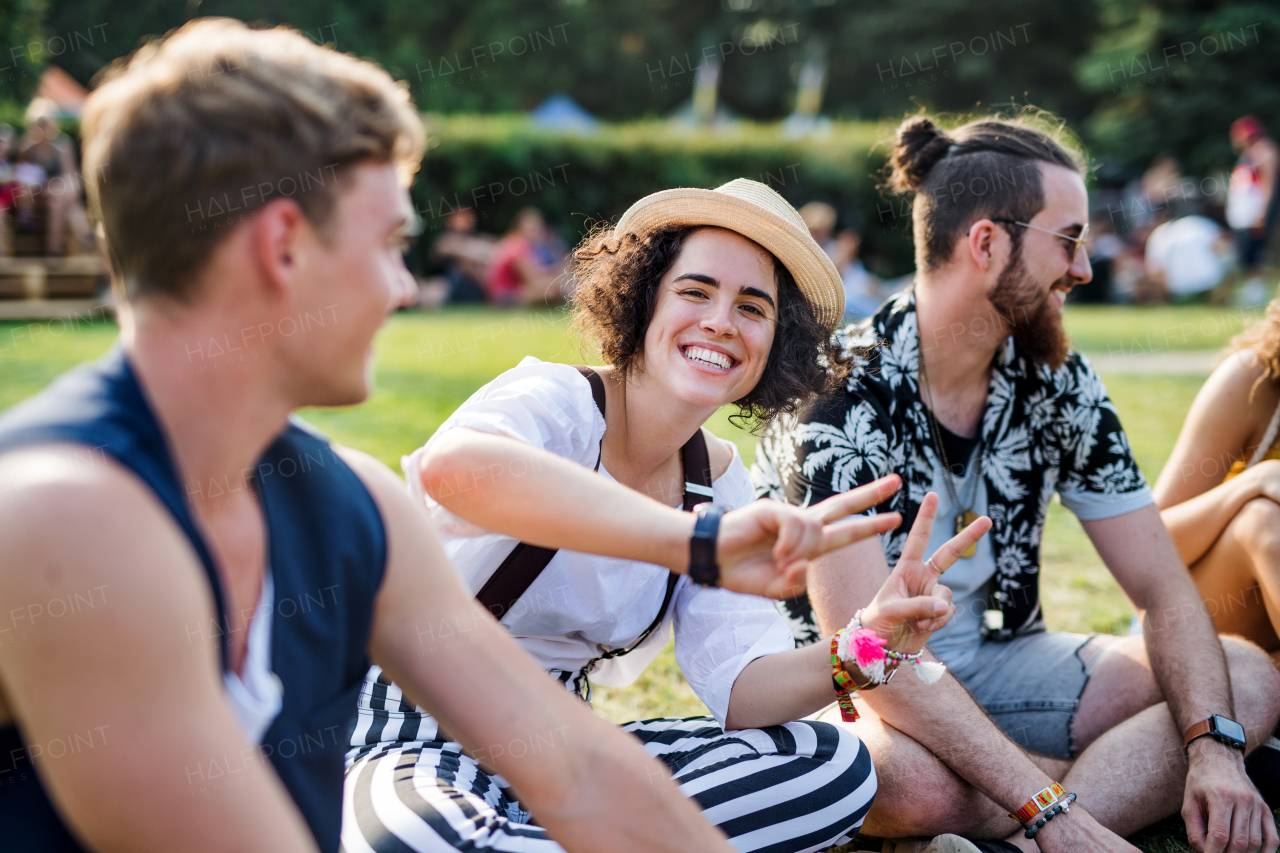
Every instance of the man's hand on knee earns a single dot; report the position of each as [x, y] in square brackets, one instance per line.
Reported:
[1222, 809]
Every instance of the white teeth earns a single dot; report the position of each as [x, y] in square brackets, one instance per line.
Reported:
[707, 356]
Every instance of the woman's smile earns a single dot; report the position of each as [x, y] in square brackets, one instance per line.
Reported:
[710, 359]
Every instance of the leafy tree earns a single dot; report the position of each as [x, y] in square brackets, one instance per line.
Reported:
[1171, 76]
[25, 48]
[1120, 71]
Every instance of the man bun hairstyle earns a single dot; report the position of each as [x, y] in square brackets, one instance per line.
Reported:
[986, 168]
[195, 132]
[918, 146]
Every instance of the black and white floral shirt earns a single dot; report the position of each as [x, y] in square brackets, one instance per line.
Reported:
[1043, 431]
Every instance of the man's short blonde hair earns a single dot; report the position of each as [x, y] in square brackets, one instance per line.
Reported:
[196, 132]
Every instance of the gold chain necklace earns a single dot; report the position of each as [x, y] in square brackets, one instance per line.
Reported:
[966, 515]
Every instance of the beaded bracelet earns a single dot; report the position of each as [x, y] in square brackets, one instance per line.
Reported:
[867, 649]
[843, 682]
[1061, 807]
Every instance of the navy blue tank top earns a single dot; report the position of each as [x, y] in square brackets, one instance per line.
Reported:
[327, 550]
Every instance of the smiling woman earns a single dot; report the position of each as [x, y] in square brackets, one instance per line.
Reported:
[618, 287]
[697, 298]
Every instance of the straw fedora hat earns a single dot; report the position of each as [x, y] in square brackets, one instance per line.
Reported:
[759, 214]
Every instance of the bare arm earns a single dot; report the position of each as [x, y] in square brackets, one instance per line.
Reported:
[1183, 647]
[1225, 424]
[135, 672]
[943, 717]
[787, 686]
[1267, 164]
[575, 768]
[764, 548]
[1187, 660]
[1196, 523]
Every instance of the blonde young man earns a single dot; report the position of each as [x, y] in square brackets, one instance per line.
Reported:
[231, 574]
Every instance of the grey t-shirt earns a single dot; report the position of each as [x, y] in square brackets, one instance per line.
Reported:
[957, 642]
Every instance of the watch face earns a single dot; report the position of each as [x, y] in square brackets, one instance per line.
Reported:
[1228, 729]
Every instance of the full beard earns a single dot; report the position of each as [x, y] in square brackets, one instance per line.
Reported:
[1034, 321]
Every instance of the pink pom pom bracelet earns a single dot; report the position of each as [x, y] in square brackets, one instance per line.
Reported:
[868, 650]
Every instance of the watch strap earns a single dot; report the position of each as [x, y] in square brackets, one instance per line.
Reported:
[703, 568]
[1200, 729]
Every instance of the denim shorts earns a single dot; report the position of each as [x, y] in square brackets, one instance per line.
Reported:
[1031, 687]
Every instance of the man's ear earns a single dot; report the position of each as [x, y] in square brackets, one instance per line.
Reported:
[984, 242]
[279, 231]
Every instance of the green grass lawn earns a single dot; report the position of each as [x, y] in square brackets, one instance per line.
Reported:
[430, 363]
[1130, 329]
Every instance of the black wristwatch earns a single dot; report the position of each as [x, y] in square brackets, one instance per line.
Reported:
[1219, 728]
[703, 569]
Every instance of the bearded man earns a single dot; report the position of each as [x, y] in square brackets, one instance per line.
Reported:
[967, 387]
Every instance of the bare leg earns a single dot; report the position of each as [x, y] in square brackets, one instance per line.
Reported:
[541, 289]
[57, 197]
[918, 795]
[81, 231]
[1239, 577]
[1132, 770]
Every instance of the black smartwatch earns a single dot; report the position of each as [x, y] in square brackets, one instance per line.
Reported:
[1219, 728]
[703, 569]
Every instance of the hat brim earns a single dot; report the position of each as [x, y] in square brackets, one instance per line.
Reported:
[812, 270]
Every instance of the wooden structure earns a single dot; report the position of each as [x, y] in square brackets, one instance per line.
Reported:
[37, 287]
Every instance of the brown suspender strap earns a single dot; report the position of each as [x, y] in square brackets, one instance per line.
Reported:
[697, 489]
[697, 471]
[523, 565]
[597, 392]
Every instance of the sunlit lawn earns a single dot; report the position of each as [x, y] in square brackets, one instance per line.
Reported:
[429, 363]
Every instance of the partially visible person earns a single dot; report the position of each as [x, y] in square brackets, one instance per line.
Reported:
[28, 181]
[1219, 493]
[524, 268]
[1187, 258]
[820, 218]
[232, 575]
[465, 254]
[1252, 203]
[861, 289]
[8, 190]
[46, 146]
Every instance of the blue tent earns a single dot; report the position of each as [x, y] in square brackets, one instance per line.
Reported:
[561, 112]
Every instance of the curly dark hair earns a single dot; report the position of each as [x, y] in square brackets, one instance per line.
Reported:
[616, 289]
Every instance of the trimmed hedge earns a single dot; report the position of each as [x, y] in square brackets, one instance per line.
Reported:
[500, 164]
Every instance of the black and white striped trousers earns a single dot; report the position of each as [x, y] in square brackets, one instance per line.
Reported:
[802, 786]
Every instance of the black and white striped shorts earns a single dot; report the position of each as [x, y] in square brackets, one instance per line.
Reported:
[802, 786]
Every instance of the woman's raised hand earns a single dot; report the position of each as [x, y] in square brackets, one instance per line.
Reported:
[912, 603]
[765, 548]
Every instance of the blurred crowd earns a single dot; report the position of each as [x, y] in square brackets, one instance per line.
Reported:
[863, 292]
[42, 211]
[1162, 238]
[526, 266]
[1169, 238]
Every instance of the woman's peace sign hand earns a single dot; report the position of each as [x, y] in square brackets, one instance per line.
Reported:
[913, 603]
[765, 547]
